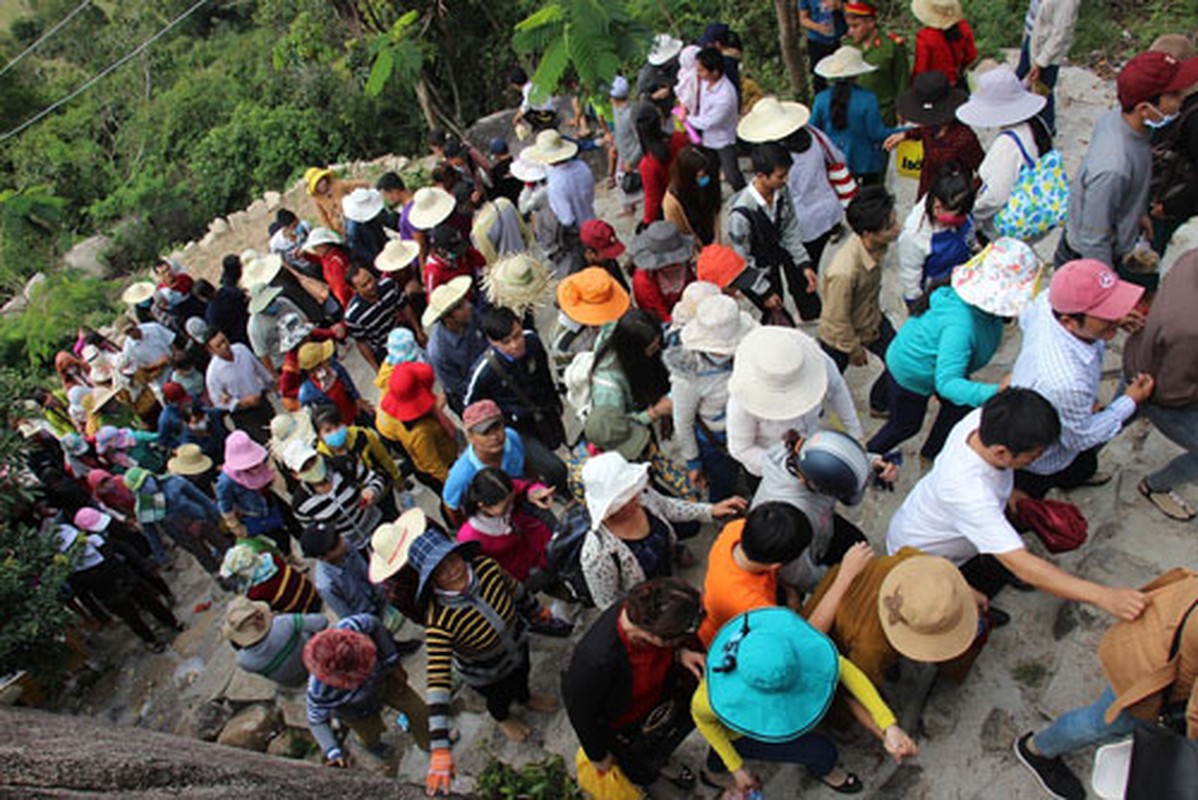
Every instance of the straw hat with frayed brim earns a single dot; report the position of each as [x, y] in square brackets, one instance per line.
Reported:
[260, 270]
[519, 282]
[189, 459]
[927, 610]
[137, 293]
[718, 327]
[362, 204]
[940, 14]
[431, 206]
[444, 298]
[397, 254]
[524, 170]
[1002, 279]
[930, 100]
[772, 120]
[314, 175]
[261, 296]
[770, 675]
[320, 236]
[391, 542]
[592, 296]
[247, 621]
[551, 148]
[846, 62]
[1000, 100]
[778, 373]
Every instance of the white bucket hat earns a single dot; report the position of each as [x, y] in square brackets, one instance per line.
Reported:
[772, 120]
[1000, 280]
[609, 482]
[431, 206]
[718, 327]
[778, 373]
[320, 236]
[937, 13]
[999, 100]
[664, 48]
[551, 148]
[137, 293]
[688, 305]
[524, 170]
[519, 282]
[846, 62]
[396, 255]
[259, 269]
[362, 204]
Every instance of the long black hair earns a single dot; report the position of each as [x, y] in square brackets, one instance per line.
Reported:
[1040, 133]
[488, 487]
[842, 91]
[647, 121]
[647, 376]
[953, 187]
[701, 204]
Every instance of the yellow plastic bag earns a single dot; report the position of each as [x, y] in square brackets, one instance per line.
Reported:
[611, 785]
[909, 156]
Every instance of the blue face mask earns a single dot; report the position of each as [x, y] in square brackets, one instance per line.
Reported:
[273, 308]
[337, 438]
[704, 181]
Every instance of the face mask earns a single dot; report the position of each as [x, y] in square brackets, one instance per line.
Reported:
[493, 526]
[951, 220]
[1163, 122]
[703, 181]
[316, 473]
[272, 309]
[337, 438]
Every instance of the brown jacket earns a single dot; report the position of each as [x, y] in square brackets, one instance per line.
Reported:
[1135, 655]
[328, 206]
[672, 211]
[851, 291]
[1165, 348]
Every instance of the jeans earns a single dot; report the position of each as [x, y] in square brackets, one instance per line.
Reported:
[879, 392]
[730, 167]
[719, 467]
[814, 751]
[907, 410]
[1080, 470]
[545, 464]
[1083, 727]
[1048, 76]
[1180, 426]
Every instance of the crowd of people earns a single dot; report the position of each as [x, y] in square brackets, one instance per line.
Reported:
[699, 380]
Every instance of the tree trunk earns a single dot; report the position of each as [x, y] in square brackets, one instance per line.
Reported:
[788, 40]
[59, 756]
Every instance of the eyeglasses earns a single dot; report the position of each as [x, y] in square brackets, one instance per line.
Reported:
[732, 647]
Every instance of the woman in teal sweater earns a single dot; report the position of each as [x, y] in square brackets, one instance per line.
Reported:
[949, 338]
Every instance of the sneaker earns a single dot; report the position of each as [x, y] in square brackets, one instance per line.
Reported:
[1171, 504]
[1054, 777]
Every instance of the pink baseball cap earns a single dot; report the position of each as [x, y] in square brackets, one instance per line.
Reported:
[1087, 286]
[480, 412]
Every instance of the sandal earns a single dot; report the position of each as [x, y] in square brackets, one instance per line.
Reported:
[1170, 503]
[684, 779]
[850, 785]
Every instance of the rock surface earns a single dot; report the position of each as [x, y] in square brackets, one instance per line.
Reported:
[252, 728]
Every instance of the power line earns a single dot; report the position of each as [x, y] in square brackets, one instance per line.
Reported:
[103, 73]
[45, 36]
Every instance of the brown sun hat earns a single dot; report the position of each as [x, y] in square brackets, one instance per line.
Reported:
[927, 610]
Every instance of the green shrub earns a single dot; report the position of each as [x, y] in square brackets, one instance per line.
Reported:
[63, 302]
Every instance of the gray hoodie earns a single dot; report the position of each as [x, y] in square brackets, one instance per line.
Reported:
[778, 485]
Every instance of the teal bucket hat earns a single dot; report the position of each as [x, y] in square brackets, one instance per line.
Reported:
[770, 675]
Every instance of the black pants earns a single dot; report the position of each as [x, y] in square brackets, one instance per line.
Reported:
[125, 595]
[815, 248]
[986, 574]
[730, 167]
[844, 535]
[502, 693]
[1080, 470]
[807, 303]
[815, 52]
[545, 464]
[907, 410]
[644, 746]
[880, 391]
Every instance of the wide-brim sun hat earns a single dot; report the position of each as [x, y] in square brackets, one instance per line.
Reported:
[391, 543]
[660, 245]
[718, 327]
[610, 428]
[396, 254]
[927, 609]
[688, 305]
[289, 426]
[320, 236]
[1000, 280]
[663, 48]
[242, 453]
[409, 391]
[362, 204]
[260, 269]
[189, 459]
[772, 120]
[551, 148]
[592, 296]
[930, 100]
[609, 481]
[261, 296]
[137, 293]
[314, 175]
[431, 206]
[1000, 100]
[846, 62]
[313, 354]
[519, 282]
[778, 373]
[940, 14]
[771, 676]
[246, 621]
[527, 171]
[427, 552]
[444, 298]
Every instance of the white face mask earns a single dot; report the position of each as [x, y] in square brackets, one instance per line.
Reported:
[1163, 122]
[493, 526]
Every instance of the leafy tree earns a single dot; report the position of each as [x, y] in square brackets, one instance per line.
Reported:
[29, 224]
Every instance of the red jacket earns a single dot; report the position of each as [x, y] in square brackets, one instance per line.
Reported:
[334, 265]
[649, 296]
[655, 177]
[438, 271]
[935, 53]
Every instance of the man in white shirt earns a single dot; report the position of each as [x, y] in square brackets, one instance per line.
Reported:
[1064, 341]
[1047, 36]
[239, 384]
[148, 347]
[957, 510]
[717, 113]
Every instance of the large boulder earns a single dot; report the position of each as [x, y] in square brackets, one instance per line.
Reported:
[87, 256]
[252, 728]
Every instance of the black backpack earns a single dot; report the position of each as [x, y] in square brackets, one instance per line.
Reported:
[564, 554]
[1172, 168]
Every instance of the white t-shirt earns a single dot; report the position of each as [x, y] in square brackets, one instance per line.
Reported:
[956, 511]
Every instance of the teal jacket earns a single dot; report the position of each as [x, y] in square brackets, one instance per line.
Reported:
[937, 351]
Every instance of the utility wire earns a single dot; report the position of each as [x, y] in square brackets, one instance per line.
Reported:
[103, 73]
[45, 36]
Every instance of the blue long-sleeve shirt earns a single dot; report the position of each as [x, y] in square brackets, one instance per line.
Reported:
[346, 587]
[861, 141]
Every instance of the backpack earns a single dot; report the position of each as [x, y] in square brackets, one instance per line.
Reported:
[1171, 164]
[1040, 200]
[577, 378]
[564, 554]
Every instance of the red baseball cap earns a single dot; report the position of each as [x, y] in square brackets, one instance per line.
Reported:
[480, 412]
[600, 237]
[1090, 287]
[174, 393]
[1152, 74]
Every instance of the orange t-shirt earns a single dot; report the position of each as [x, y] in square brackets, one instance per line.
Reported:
[728, 589]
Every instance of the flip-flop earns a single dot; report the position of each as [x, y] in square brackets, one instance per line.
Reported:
[1169, 503]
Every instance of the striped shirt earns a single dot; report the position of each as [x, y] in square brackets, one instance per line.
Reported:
[1067, 372]
[372, 322]
[464, 631]
[286, 591]
[342, 505]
